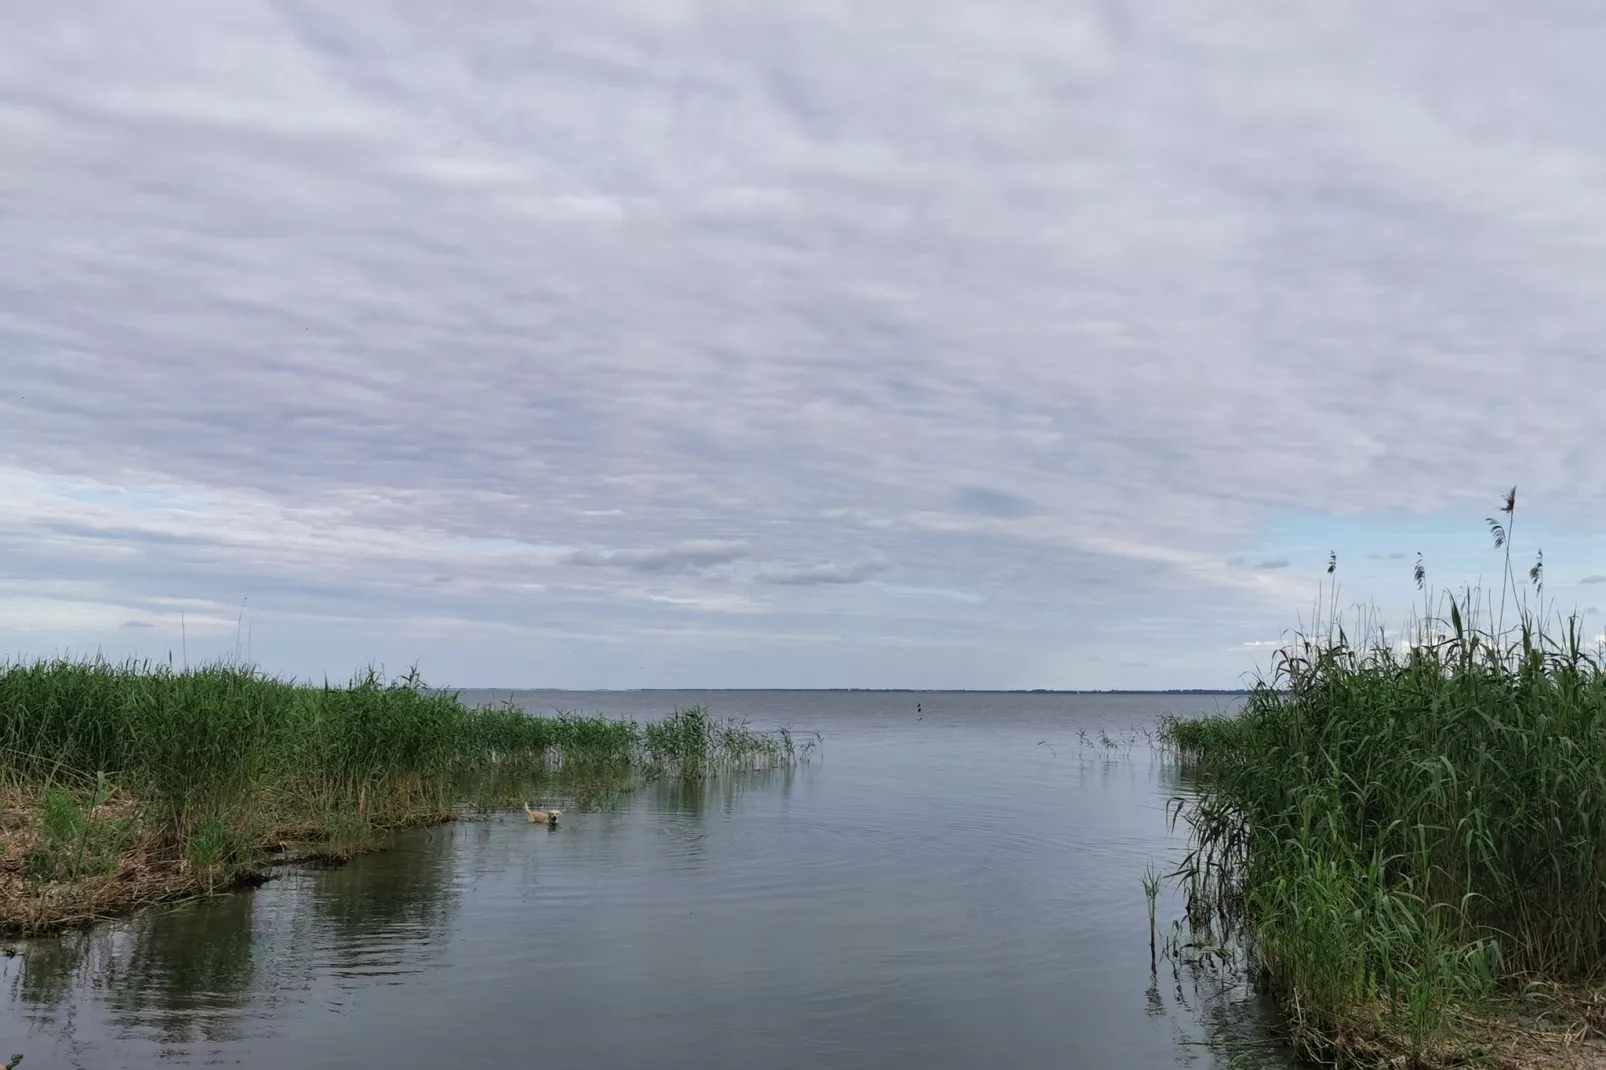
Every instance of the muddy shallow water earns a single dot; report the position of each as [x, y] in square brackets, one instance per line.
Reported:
[957, 887]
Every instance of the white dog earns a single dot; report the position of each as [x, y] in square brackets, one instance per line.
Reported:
[532, 815]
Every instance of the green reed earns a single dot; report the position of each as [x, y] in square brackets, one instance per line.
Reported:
[1406, 828]
[691, 741]
[225, 758]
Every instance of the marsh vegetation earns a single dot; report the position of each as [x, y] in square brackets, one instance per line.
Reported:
[127, 784]
[1407, 837]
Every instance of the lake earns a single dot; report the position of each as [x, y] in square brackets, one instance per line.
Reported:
[950, 888]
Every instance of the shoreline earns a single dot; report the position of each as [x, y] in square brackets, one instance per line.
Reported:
[218, 769]
[148, 871]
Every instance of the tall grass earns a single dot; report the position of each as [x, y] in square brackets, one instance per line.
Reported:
[690, 742]
[1402, 829]
[224, 760]
[205, 744]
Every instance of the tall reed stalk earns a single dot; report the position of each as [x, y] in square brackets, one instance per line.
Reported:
[1403, 829]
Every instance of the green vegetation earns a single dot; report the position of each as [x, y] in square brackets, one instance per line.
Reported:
[1410, 837]
[123, 784]
[690, 743]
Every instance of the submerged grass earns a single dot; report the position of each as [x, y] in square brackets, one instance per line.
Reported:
[1411, 835]
[128, 783]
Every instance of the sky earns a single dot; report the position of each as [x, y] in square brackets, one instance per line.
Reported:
[653, 343]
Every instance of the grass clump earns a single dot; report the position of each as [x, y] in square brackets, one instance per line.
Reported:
[128, 783]
[691, 742]
[76, 839]
[1406, 835]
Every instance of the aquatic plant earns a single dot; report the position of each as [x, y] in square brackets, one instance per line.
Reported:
[1151, 892]
[1401, 830]
[691, 742]
[215, 764]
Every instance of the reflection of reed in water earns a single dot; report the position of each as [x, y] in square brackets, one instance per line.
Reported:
[52, 969]
[590, 788]
[407, 890]
[208, 971]
[724, 790]
[1215, 1003]
[180, 972]
[573, 788]
[185, 971]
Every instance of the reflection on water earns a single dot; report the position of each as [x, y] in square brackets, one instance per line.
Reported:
[185, 975]
[953, 892]
[52, 967]
[220, 972]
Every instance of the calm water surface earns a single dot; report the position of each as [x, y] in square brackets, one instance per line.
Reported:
[958, 888]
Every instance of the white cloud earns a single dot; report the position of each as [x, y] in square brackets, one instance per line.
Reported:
[934, 592]
[683, 556]
[347, 309]
[57, 616]
[829, 572]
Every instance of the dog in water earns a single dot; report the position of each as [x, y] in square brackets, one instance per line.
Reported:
[534, 816]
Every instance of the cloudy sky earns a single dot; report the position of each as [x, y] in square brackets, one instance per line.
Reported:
[1024, 343]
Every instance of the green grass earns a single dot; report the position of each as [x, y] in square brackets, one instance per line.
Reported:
[691, 742]
[1401, 834]
[224, 760]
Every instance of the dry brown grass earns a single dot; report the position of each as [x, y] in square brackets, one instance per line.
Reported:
[127, 855]
[1550, 1027]
[43, 891]
[145, 871]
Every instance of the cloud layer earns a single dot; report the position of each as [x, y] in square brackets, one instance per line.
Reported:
[747, 343]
